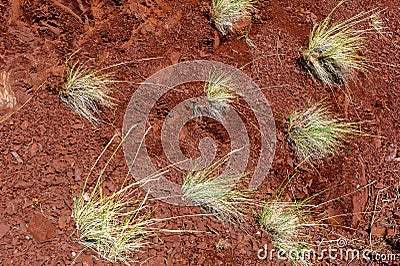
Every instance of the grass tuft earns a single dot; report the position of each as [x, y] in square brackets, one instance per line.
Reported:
[287, 225]
[219, 94]
[225, 13]
[216, 193]
[333, 50]
[114, 226]
[315, 133]
[219, 90]
[117, 225]
[85, 90]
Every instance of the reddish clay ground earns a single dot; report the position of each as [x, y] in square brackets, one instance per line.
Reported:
[47, 149]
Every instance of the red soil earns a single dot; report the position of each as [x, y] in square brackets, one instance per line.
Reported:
[47, 150]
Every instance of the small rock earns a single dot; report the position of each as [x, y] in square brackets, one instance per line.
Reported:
[333, 212]
[174, 57]
[176, 241]
[159, 33]
[152, 252]
[377, 142]
[41, 228]
[217, 40]
[34, 149]
[78, 126]
[4, 228]
[70, 174]
[279, 44]
[242, 24]
[290, 161]
[86, 260]
[390, 233]
[391, 153]
[58, 166]
[222, 244]
[27, 203]
[202, 245]
[148, 28]
[57, 70]
[378, 231]
[280, 136]
[155, 240]
[203, 54]
[61, 223]
[12, 207]
[25, 125]
[242, 251]
[159, 261]
[72, 141]
[21, 226]
[86, 196]
[24, 184]
[42, 129]
[270, 191]
[172, 21]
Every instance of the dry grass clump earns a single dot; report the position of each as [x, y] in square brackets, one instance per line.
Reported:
[115, 226]
[216, 193]
[220, 93]
[226, 13]
[333, 50]
[287, 225]
[85, 90]
[219, 90]
[315, 133]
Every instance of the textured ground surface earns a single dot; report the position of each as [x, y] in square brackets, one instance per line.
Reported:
[47, 150]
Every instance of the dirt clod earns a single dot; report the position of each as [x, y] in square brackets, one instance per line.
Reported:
[41, 228]
[12, 207]
[378, 231]
[4, 228]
